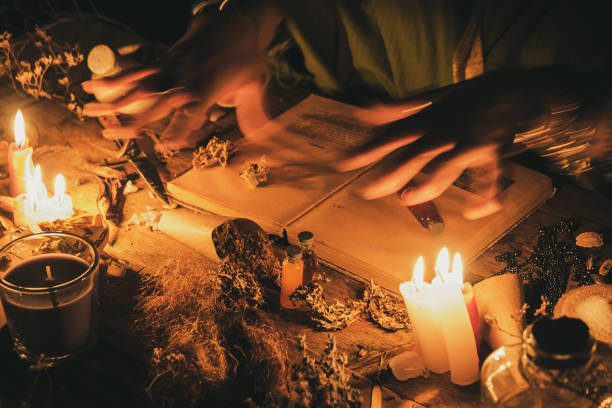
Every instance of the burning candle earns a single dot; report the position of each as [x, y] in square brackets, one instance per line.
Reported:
[454, 320]
[38, 206]
[19, 157]
[468, 296]
[419, 298]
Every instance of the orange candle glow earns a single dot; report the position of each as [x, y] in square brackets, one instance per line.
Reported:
[19, 156]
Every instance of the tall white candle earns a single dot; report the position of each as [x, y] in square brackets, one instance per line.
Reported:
[455, 324]
[418, 297]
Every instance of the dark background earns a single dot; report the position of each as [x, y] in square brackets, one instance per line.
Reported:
[161, 21]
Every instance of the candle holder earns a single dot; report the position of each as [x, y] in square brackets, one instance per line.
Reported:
[49, 291]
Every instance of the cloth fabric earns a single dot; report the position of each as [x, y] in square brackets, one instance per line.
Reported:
[392, 49]
[397, 48]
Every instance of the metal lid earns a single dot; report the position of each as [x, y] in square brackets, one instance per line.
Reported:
[558, 343]
[305, 237]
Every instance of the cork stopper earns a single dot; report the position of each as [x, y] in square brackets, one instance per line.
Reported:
[306, 239]
[101, 60]
[294, 253]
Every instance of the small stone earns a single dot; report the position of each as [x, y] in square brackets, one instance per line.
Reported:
[589, 240]
[407, 365]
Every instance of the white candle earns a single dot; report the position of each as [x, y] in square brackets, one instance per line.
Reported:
[454, 321]
[19, 157]
[418, 298]
[38, 206]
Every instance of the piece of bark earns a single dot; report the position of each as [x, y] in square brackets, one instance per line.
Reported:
[502, 297]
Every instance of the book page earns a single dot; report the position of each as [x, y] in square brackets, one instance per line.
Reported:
[381, 239]
[299, 147]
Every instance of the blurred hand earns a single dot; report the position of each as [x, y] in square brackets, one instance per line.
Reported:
[468, 125]
[217, 57]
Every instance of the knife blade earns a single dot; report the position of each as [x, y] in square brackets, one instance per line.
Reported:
[148, 171]
[141, 153]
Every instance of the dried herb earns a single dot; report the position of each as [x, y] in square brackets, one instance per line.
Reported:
[386, 310]
[327, 316]
[256, 174]
[322, 382]
[215, 152]
[211, 342]
[46, 77]
[245, 244]
[552, 261]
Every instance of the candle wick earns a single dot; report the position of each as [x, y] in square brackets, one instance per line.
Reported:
[48, 270]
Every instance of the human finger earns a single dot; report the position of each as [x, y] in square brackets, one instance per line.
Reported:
[107, 84]
[398, 134]
[412, 161]
[486, 202]
[450, 167]
[385, 113]
[110, 108]
[160, 110]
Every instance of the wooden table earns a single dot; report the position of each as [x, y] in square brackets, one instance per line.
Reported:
[115, 374]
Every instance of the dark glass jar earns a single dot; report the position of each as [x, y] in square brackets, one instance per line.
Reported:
[557, 365]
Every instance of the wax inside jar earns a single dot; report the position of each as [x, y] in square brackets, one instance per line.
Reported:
[52, 324]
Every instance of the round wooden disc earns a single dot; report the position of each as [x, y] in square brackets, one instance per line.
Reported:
[570, 301]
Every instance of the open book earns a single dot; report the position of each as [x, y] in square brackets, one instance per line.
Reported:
[377, 239]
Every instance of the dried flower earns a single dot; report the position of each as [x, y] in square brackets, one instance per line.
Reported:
[32, 77]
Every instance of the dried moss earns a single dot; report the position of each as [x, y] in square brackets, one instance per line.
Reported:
[327, 316]
[322, 382]
[384, 309]
[210, 341]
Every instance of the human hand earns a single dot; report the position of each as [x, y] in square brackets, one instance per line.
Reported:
[218, 56]
[469, 125]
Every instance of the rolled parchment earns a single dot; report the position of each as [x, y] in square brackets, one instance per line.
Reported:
[192, 229]
[500, 297]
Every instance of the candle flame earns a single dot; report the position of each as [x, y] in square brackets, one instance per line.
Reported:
[458, 269]
[59, 187]
[38, 206]
[419, 271]
[443, 264]
[19, 129]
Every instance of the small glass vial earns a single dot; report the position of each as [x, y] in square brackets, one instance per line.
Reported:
[291, 275]
[309, 256]
[556, 366]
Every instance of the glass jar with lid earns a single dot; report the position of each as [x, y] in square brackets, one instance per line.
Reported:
[558, 364]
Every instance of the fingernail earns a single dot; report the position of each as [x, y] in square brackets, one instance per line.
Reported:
[407, 196]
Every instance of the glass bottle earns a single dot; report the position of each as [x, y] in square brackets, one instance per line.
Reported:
[557, 365]
[309, 256]
[291, 275]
